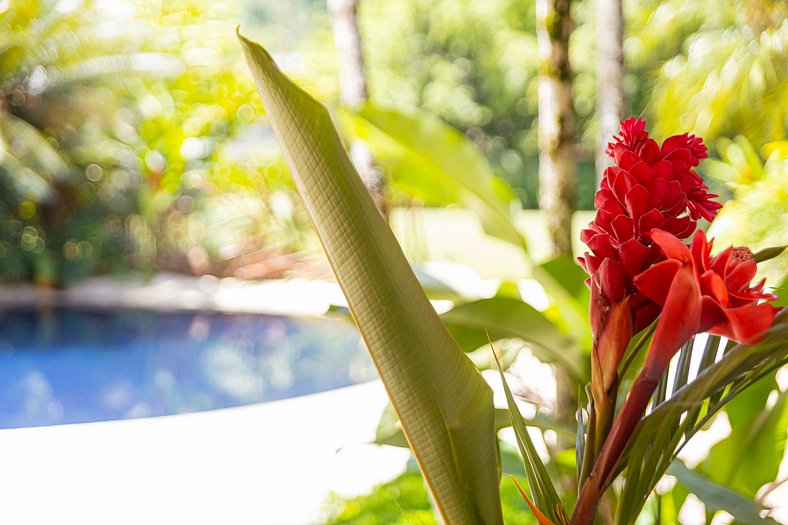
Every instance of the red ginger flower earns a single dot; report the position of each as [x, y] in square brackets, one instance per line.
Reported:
[700, 293]
[697, 293]
[649, 187]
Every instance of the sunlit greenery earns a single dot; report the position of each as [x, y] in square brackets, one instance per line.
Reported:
[404, 501]
[127, 127]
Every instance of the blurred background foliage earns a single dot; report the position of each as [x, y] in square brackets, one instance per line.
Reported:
[132, 138]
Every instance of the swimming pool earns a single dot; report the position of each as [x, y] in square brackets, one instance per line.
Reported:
[67, 365]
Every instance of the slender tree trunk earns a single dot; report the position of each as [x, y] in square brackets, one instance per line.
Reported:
[557, 167]
[609, 77]
[353, 91]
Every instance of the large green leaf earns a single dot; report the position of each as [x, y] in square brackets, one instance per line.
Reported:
[717, 497]
[503, 317]
[443, 403]
[758, 434]
[564, 282]
[429, 159]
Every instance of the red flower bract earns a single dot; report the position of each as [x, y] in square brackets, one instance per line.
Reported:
[703, 294]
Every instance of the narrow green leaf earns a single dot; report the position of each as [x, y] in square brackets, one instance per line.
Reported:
[683, 365]
[737, 363]
[542, 490]
[442, 401]
[580, 438]
[769, 253]
[662, 434]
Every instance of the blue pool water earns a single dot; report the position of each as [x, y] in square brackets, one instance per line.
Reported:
[73, 366]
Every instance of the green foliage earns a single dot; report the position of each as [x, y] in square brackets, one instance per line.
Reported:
[474, 65]
[718, 497]
[119, 130]
[543, 492]
[502, 318]
[757, 215]
[431, 161]
[723, 75]
[758, 432]
[404, 501]
[672, 423]
[417, 358]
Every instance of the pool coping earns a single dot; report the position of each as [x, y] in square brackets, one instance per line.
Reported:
[173, 292]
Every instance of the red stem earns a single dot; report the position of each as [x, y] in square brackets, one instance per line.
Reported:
[623, 429]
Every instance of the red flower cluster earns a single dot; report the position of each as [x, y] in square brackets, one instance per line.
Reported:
[700, 293]
[649, 187]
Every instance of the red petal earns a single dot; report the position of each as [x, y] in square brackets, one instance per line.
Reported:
[700, 251]
[740, 275]
[719, 263]
[712, 284]
[645, 315]
[623, 228]
[711, 314]
[602, 246]
[655, 282]
[664, 169]
[673, 143]
[632, 254]
[679, 321]
[625, 159]
[612, 280]
[671, 245]
[746, 324]
[636, 199]
[650, 220]
[650, 151]
[642, 172]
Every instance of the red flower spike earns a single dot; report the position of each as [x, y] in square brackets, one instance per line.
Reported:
[651, 186]
[721, 284]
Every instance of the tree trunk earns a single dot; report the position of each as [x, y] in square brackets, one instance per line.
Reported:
[556, 123]
[557, 167]
[353, 91]
[609, 77]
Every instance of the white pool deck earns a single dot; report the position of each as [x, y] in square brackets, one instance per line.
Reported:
[266, 464]
[269, 463]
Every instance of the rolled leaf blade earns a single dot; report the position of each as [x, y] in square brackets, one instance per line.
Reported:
[443, 403]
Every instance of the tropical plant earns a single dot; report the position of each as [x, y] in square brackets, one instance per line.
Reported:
[443, 404]
[715, 68]
[757, 213]
[120, 154]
